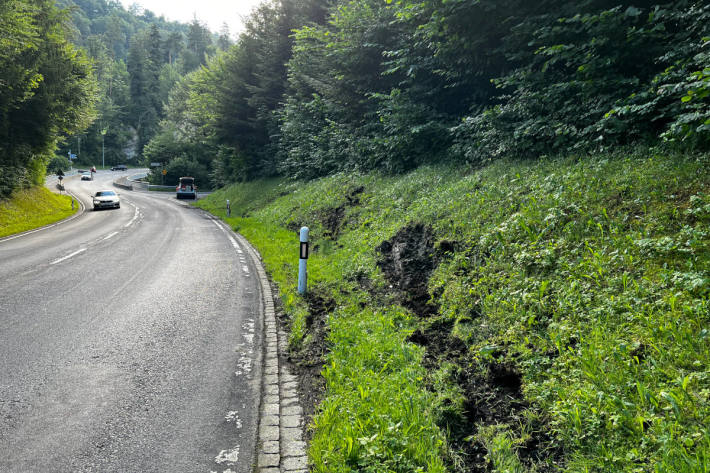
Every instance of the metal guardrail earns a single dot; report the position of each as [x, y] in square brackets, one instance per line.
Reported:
[123, 183]
[132, 182]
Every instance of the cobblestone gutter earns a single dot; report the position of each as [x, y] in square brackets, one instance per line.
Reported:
[280, 445]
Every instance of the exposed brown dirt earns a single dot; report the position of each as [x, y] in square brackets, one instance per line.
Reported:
[493, 395]
[307, 363]
[492, 387]
[407, 261]
[294, 226]
[333, 218]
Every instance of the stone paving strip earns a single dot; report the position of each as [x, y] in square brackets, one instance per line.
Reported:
[280, 444]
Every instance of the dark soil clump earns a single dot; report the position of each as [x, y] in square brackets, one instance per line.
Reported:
[493, 395]
[307, 363]
[407, 261]
[294, 227]
[492, 387]
[332, 219]
[317, 326]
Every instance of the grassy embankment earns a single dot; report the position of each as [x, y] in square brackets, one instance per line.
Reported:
[536, 316]
[33, 208]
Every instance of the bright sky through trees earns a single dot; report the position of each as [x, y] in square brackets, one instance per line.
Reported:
[211, 12]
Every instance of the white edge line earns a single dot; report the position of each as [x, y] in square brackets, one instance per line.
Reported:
[219, 225]
[110, 235]
[68, 256]
[135, 216]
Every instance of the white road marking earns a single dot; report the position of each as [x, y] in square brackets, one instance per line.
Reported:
[233, 416]
[28, 233]
[228, 456]
[219, 226]
[236, 246]
[244, 364]
[135, 217]
[68, 256]
[110, 235]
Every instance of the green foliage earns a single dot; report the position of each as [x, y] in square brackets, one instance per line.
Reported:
[346, 112]
[361, 426]
[588, 276]
[165, 147]
[675, 100]
[198, 46]
[114, 26]
[58, 163]
[364, 85]
[47, 90]
[180, 167]
[593, 280]
[575, 72]
[230, 107]
[313, 88]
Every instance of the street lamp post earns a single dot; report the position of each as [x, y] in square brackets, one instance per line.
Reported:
[103, 153]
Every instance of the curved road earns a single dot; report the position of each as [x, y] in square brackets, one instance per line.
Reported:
[128, 342]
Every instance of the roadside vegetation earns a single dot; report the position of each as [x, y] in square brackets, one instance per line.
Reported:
[32, 208]
[539, 316]
[476, 305]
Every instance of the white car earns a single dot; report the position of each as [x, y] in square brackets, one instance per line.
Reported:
[86, 177]
[107, 199]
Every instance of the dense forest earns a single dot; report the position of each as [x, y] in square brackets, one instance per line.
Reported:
[87, 77]
[47, 89]
[313, 87]
[137, 59]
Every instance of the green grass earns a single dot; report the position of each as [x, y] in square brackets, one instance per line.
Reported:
[33, 208]
[588, 276]
[153, 189]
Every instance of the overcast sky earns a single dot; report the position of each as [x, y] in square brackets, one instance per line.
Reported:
[213, 13]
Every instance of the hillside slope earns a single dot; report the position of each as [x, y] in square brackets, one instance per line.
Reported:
[525, 316]
[32, 208]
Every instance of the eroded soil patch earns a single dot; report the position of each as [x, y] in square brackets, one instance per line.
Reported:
[407, 261]
[492, 389]
[333, 218]
[307, 363]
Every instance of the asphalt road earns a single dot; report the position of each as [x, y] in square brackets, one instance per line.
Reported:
[128, 342]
